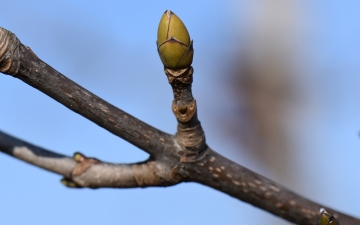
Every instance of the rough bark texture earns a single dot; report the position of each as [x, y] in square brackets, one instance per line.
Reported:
[184, 157]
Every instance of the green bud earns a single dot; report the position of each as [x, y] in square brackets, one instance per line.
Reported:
[69, 183]
[78, 157]
[326, 218]
[173, 42]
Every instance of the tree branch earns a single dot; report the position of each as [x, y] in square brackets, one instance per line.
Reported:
[36, 156]
[20, 62]
[173, 159]
[87, 172]
[220, 173]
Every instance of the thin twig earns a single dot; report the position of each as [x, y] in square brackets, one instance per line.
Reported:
[100, 174]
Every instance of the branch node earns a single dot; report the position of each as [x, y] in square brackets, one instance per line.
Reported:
[184, 112]
[183, 75]
[152, 173]
[9, 54]
[83, 163]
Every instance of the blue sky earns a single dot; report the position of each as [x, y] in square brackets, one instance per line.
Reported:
[109, 48]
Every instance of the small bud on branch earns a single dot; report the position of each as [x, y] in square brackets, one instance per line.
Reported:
[173, 42]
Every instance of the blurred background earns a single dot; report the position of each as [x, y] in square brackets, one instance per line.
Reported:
[277, 88]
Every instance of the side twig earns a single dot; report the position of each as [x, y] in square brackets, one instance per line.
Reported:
[80, 171]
